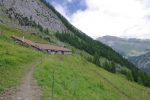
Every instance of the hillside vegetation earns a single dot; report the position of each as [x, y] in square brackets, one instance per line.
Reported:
[66, 77]
[71, 77]
[69, 35]
[15, 60]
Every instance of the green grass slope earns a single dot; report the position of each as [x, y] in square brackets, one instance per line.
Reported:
[15, 60]
[70, 77]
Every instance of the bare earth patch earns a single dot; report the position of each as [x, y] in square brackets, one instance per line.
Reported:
[28, 90]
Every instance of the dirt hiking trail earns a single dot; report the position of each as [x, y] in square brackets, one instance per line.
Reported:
[28, 90]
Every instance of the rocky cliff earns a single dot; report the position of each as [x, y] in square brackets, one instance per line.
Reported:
[33, 10]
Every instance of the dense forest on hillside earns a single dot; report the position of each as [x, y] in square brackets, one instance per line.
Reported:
[81, 41]
[92, 46]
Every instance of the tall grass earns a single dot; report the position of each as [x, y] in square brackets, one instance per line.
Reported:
[77, 79]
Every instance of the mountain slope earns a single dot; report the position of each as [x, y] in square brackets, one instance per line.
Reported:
[17, 20]
[143, 61]
[75, 78]
[19, 11]
[33, 10]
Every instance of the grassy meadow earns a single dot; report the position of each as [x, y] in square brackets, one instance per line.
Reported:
[70, 77]
[15, 60]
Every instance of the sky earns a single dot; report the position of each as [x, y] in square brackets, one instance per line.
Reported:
[96, 18]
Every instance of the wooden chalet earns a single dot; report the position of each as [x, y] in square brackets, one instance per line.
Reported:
[50, 49]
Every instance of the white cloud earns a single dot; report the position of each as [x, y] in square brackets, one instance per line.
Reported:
[69, 1]
[126, 18]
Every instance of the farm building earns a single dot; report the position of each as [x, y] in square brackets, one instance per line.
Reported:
[50, 49]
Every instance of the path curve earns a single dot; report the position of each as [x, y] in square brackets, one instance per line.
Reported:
[28, 90]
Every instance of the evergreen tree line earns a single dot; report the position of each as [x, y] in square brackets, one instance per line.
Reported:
[92, 46]
[109, 66]
[83, 42]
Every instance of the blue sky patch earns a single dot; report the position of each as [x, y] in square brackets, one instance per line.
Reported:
[72, 6]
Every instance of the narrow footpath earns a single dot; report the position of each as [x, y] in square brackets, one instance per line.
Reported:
[28, 90]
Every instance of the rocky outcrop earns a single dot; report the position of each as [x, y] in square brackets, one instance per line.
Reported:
[35, 11]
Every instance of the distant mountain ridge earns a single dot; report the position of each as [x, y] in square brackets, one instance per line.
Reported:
[136, 50]
[143, 61]
[127, 47]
